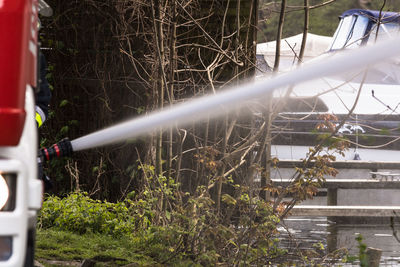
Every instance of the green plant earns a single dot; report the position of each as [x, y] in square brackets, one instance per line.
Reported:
[79, 213]
[362, 248]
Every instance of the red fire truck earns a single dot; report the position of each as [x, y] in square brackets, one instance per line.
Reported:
[20, 189]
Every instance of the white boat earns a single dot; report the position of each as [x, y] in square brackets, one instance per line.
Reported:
[373, 128]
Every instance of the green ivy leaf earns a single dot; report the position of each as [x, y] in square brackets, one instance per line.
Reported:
[228, 199]
[63, 103]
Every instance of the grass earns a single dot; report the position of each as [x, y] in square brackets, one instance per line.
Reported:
[67, 248]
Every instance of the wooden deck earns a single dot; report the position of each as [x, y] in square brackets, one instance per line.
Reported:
[346, 211]
[351, 183]
[380, 178]
[347, 164]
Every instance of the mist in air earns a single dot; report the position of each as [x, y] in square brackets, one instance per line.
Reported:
[236, 97]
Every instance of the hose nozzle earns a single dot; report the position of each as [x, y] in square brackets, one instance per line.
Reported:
[58, 150]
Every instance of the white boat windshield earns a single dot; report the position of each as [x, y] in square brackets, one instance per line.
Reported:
[350, 32]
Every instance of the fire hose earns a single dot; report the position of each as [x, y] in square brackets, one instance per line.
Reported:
[58, 150]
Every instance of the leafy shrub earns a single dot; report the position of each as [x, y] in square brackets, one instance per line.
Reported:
[79, 213]
[171, 230]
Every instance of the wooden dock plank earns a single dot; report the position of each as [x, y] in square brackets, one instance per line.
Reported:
[350, 183]
[347, 164]
[345, 211]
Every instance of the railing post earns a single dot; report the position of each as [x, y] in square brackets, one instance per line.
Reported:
[332, 197]
[331, 239]
[332, 201]
[373, 256]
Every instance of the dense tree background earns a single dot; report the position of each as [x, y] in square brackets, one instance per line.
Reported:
[113, 60]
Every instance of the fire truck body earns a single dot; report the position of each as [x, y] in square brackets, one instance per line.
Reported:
[18, 46]
[20, 189]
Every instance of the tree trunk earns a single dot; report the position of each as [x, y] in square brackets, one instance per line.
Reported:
[172, 67]
[279, 36]
[157, 21]
[305, 30]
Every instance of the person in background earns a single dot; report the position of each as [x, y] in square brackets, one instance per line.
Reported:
[43, 95]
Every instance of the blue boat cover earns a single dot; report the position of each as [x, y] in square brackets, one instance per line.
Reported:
[374, 15]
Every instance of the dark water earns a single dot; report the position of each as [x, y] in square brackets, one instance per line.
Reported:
[305, 233]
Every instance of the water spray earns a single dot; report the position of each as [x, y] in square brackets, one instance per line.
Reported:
[227, 100]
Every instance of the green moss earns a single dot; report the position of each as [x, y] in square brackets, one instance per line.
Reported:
[66, 246]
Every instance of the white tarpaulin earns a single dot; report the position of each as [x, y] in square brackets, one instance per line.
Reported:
[290, 49]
